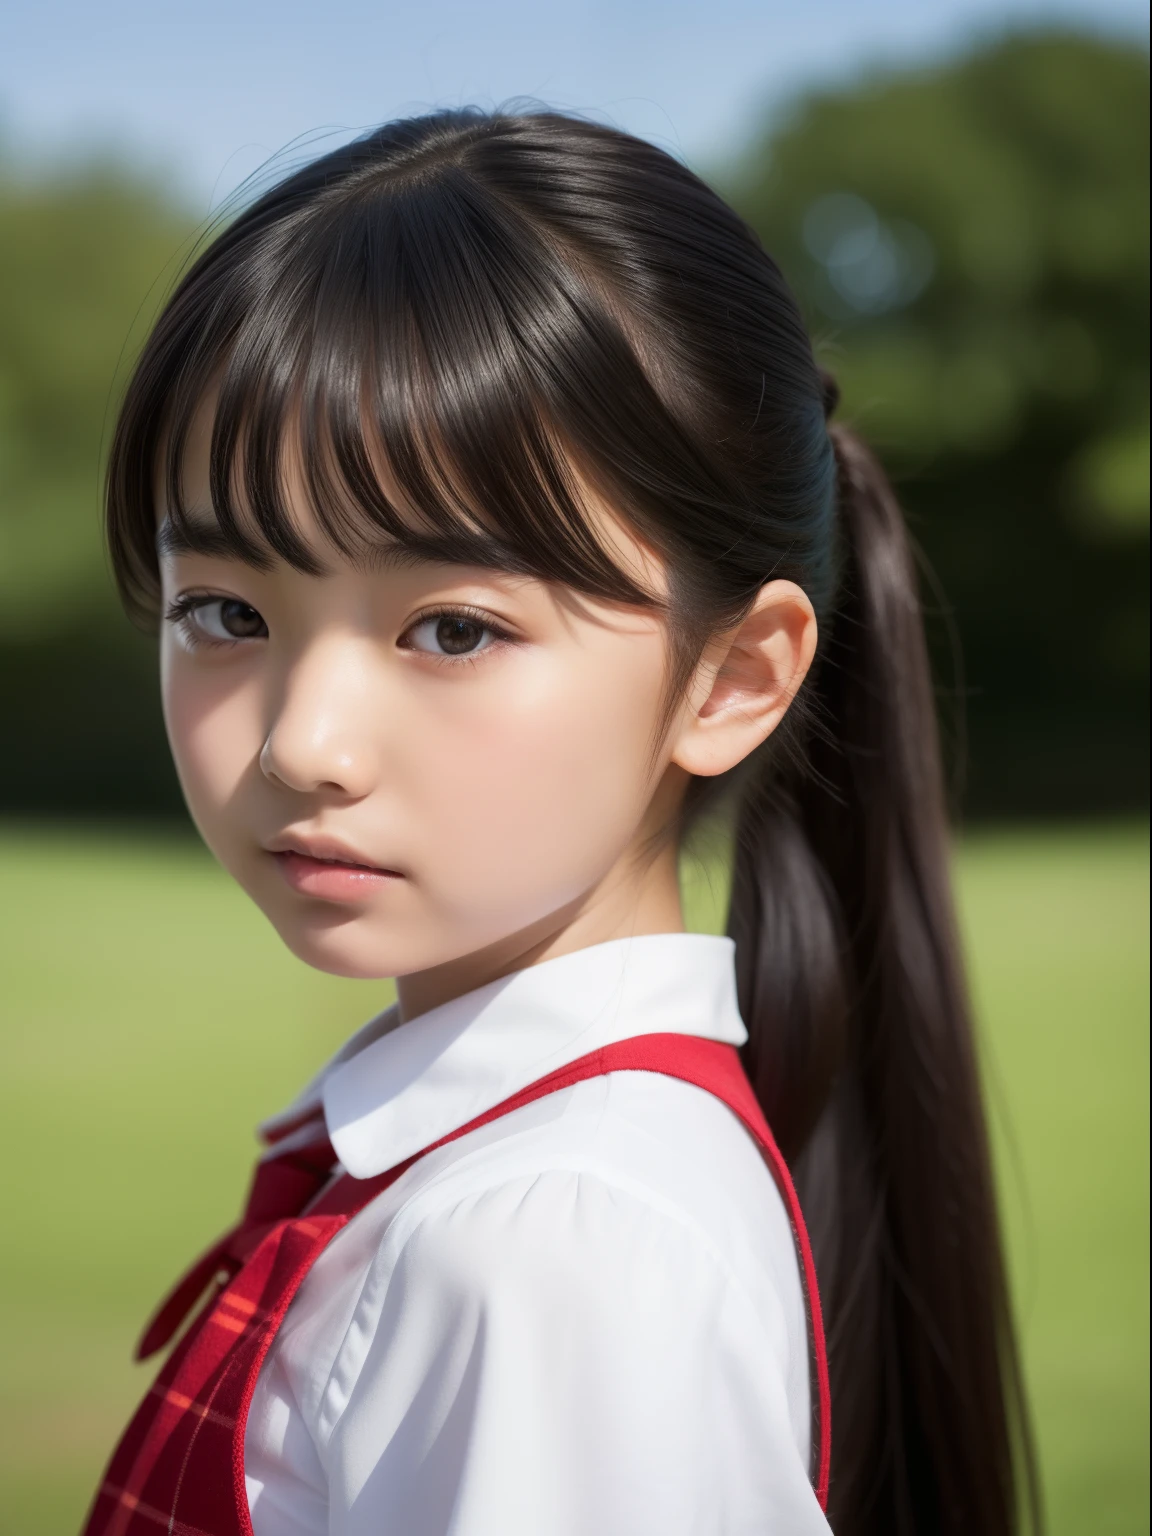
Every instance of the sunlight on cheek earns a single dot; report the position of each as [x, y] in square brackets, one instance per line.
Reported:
[213, 723]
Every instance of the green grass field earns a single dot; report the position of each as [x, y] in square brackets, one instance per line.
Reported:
[151, 1017]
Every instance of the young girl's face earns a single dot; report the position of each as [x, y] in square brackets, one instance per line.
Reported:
[406, 763]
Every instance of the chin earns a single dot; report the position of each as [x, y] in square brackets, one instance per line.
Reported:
[342, 947]
[366, 945]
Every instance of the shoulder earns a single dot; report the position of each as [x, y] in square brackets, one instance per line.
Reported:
[651, 1139]
[637, 1150]
[583, 1283]
[554, 1237]
[623, 1186]
[558, 1285]
[558, 1333]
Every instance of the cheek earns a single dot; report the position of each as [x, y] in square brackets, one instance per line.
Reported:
[534, 787]
[212, 717]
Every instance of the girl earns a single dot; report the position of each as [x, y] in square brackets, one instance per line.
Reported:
[480, 476]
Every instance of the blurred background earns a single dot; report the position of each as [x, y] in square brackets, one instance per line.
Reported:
[958, 193]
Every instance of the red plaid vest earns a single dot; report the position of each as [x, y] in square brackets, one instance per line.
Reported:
[179, 1467]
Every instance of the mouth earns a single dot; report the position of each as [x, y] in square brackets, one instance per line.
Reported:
[329, 870]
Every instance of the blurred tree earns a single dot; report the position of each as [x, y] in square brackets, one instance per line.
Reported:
[84, 262]
[971, 248]
[82, 267]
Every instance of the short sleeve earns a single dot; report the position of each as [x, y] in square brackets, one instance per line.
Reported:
[558, 1355]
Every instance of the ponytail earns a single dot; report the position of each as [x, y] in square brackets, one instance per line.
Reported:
[861, 1051]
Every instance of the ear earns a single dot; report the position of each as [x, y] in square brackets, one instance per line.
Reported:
[745, 681]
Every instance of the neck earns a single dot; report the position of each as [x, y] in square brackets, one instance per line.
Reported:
[638, 896]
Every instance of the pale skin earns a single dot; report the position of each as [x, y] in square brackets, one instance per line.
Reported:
[444, 774]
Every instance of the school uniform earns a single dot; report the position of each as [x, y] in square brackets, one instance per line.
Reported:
[585, 1316]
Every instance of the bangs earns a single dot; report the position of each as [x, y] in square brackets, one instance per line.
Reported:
[419, 362]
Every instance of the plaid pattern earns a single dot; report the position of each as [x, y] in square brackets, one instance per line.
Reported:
[180, 1465]
[175, 1469]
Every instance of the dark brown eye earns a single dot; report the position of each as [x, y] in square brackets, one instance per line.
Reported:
[240, 620]
[457, 636]
[449, 634]
[220, 620]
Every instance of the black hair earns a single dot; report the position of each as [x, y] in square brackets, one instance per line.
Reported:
[460, 322]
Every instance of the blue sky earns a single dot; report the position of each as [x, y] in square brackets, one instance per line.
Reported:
[207, 93]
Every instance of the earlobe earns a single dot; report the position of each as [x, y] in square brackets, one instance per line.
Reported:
[746, 681]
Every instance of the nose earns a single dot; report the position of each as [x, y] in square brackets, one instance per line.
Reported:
[319, 740]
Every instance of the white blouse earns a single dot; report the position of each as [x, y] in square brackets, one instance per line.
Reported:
[583, 1319]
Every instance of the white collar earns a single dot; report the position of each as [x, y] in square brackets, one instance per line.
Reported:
[396, 1088]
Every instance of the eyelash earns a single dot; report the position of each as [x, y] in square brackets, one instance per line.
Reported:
[179, 612]
[181, 609]
[476, 616]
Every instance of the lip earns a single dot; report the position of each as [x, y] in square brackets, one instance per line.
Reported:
[328, 869]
